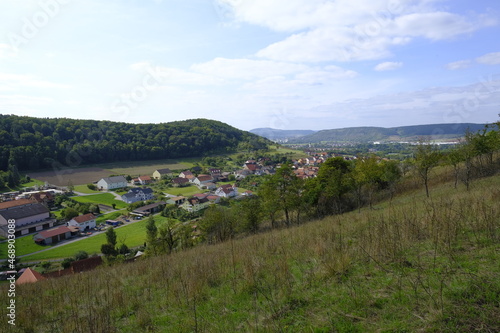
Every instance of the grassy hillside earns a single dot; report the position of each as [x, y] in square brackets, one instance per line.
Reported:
[410, 264]
[370, 134]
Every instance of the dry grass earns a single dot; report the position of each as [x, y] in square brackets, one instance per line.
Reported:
[417, 264]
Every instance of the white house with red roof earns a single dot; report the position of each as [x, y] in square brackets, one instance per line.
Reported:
[83, 222]
[227, 191]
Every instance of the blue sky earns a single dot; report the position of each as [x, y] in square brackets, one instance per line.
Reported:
[287, 64]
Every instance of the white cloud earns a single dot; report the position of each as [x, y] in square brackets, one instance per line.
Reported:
[388, 66]
[6, 51]
[15, 81]
[489, 59]
[246, 69]
[349, 30]
[462, 64]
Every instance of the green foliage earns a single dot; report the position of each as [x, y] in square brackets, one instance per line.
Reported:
[34, 143]
[111, 236]
[80, 255]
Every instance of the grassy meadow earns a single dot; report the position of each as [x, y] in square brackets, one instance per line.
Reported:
[103, 198]
[410, 264]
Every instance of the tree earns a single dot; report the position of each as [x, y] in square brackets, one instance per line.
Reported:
[167, 236]
[69, 213]
[151, 236]
[111, 236]
[282, 191]
[218, 224]
[427, 157]
[250, 211]
[80, 255]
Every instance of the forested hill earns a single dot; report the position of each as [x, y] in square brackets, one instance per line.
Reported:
[34, 143]
[407, 133]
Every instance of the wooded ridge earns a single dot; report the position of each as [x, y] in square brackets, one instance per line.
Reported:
[35, 143]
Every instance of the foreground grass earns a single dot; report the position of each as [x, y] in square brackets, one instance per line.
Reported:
[412, 264]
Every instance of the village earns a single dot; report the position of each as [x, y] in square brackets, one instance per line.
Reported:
[33, 210]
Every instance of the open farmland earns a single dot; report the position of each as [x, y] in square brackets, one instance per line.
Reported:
[82, 176]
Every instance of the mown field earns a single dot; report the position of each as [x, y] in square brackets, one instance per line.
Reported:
[102, 198]
[411, 264]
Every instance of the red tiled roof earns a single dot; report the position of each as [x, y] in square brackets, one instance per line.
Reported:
[204, 178]
[29, 276]
[54, 232]
[144, 178]
[84, 218]
[15, 203]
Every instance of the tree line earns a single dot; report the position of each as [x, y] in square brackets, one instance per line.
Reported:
[30, 143]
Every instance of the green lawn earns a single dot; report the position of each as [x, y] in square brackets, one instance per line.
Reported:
[103, 198]
[132, 235]
[24, 245]
[185, 191]
[31, 183]
[84, 189]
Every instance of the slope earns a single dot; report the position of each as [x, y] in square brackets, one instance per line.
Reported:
[405, 133]
[412, 264]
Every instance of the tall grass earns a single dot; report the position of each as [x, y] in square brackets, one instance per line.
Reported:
[415, 263]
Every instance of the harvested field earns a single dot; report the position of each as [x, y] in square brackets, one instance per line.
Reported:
[82, 176]
[77, 176]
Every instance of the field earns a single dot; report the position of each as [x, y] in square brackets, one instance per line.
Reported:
[87, 175]
[103, 198]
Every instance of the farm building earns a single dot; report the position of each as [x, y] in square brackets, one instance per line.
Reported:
[55, 235]
[110, 183]
[83, 222]
[149, 209]
[30, 216]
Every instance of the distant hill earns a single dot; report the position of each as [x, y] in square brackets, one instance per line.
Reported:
[277, 134]
[30, 143]
[403, 133]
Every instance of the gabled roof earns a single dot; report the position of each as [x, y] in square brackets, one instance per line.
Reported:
[15, 203]
[54, 232]
[204, 178]
[164, 171]
[136, 190]
[187, 173]
[23, 211]
[144, 178]
[29, 276]
[180, 180]
[115, 179]
[84, 218]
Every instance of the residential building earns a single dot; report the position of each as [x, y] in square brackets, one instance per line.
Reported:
[145, 180]
[83, 222]
[111, 183]
[158, 174]
[138, 194]
[29, 276]
[227, 191]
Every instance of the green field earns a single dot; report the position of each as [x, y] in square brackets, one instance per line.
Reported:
[132, 235]
[84, 189]
[185, 191]
[103, 198]
[24, 245]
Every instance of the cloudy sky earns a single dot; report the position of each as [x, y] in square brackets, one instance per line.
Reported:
[286, 64]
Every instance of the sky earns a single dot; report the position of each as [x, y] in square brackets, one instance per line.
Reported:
[284, 64]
